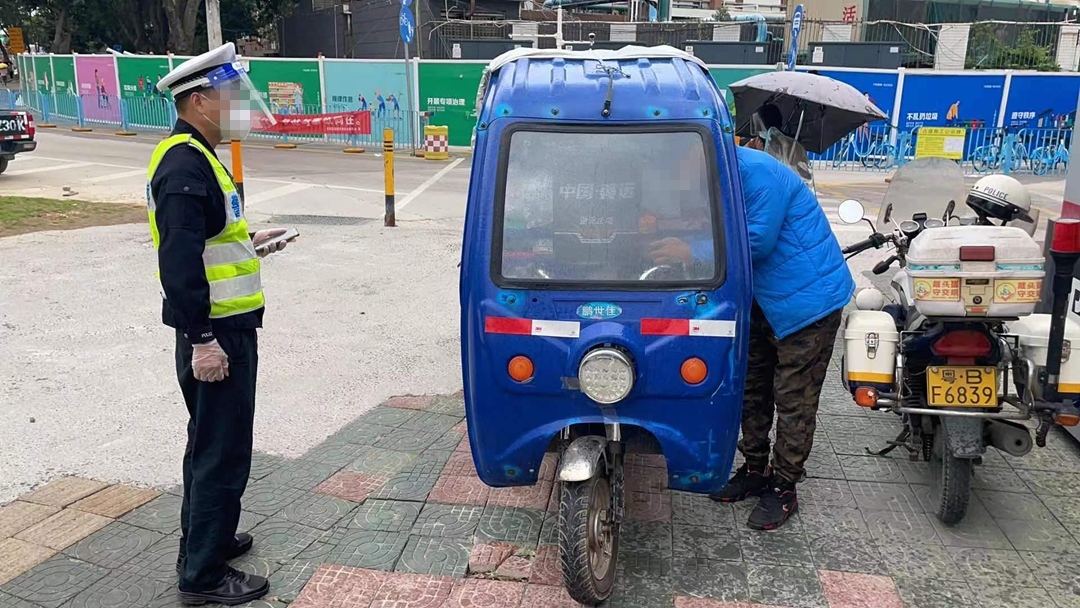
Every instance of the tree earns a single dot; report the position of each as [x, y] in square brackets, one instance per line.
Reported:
[988, 51]
[721, 14]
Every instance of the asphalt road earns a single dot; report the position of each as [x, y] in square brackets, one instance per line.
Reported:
[356, 312]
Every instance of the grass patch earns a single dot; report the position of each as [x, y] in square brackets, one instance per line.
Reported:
[19, 215]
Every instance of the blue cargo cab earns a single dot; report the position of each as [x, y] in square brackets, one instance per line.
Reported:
[605, 284]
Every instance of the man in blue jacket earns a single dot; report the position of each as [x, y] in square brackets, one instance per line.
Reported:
[801, 284]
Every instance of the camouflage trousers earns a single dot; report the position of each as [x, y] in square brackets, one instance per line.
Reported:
[784, 377]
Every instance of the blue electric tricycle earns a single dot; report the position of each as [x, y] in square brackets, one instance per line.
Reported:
[605, 284]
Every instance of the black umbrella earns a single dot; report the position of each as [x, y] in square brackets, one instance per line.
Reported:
[818, 111]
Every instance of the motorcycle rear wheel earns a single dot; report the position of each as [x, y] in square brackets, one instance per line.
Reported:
[588, 539]
[950, 481]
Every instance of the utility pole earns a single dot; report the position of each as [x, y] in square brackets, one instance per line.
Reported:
[213, 23]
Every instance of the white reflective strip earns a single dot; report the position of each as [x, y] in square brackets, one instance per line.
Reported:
[714, 329]
[227, 289]
[556, 329]
[228, 253]
[151, 204]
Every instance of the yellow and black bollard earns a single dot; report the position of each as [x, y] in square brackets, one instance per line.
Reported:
[388, 170]
[238, 167]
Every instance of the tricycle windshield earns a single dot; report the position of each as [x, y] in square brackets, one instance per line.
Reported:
[925, 185]
[611, 206]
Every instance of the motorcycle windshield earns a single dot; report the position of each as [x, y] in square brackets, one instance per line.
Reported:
[925, 185]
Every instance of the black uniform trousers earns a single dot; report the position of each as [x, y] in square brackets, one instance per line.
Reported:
[217, 460]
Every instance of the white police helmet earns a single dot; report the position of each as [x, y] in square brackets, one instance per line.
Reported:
[1001, 197]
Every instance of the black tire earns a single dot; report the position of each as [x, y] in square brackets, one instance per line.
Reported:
[950, 481]
[3, 164]
[577, 503]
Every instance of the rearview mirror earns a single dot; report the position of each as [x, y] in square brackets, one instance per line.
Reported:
[851, 211]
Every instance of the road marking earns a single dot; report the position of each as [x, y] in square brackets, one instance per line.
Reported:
[49, 168]
[330, 186]
[125, 174]
[430, 182]
[269, 195]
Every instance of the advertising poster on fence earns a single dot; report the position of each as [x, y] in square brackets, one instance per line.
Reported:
[97, 88]
[879, 87]
[377, 87]
[288, 87]
[63, 68]
[725, 76]
[1042, 102]
[43, 77]
[448, 91]
[951, 101]
[145, 106]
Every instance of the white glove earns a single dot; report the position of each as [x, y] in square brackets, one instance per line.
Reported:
[265, 235]
[209, 362]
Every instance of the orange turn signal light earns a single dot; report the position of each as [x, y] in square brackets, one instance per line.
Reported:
[694, 370]
[866, 396]
[1067, 419]
[520, 368]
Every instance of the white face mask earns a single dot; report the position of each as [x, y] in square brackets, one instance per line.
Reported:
[235, 122]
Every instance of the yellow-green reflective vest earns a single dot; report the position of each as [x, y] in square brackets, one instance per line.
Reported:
[232, 266]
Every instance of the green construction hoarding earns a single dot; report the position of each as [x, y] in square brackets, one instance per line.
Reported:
[139, 75]
[448, 91]
[63, 68]
[291, 87]
[43, 76]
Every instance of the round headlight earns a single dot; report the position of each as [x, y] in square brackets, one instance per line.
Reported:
[606, 375]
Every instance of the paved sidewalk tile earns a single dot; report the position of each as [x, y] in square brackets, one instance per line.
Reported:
[546, 596]
[113, 545]
[63, 529]
[518, 526]
[794, 586]
[850, 590]
[350, 485]
[545, 568]
[440, 556]
[480, 593]
[486, 557]
[412, 402]
[287, 581]
[20, 556]
[402, 590]
[19, 515]
[54, 582]
[460, 489]
[119, 590]
[522, 497]
[459, 521]
[63, 491]
[358, 548]
[115, 501]
[340, 587]
[385, 515]
[160, 515]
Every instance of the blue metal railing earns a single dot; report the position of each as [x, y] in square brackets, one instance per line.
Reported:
[985, 150]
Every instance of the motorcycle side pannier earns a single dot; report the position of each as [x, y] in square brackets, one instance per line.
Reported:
[1033, 333]
[966, 271]
[870, 342]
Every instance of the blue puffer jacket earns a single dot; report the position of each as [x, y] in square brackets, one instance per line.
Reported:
[800, 276]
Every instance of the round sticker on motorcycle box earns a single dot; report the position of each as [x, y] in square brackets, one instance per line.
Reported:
[599, 311]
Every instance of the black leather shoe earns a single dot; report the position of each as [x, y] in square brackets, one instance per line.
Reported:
[236, 588]
[775, 507]
[242, 546]
[748, 481]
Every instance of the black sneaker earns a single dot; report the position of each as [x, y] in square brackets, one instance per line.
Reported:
[748, 481]
[236, 588]
[242, 546]
[775, 506]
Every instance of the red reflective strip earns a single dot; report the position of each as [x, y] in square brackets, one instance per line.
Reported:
[665, 327]
[504, 325]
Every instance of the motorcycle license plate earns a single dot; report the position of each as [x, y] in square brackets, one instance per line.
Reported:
[961, 386]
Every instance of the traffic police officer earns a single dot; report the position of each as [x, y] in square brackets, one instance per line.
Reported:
[209, 271]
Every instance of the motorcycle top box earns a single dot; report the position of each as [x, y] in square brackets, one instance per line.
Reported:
[996, 271]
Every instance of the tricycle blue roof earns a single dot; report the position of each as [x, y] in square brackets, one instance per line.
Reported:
[646, 84]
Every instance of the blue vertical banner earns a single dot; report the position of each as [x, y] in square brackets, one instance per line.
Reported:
[951, 100]
[1042, 102]
[796, 27]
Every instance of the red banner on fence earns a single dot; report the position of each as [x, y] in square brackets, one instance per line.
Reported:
[340, 123]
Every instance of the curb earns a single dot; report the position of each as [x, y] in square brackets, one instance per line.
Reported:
[81, 129]
[285, 146]
[126, 133]
[353, 150]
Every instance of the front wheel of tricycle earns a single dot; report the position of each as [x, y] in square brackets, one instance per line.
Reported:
[588, 539]
[950, 479]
